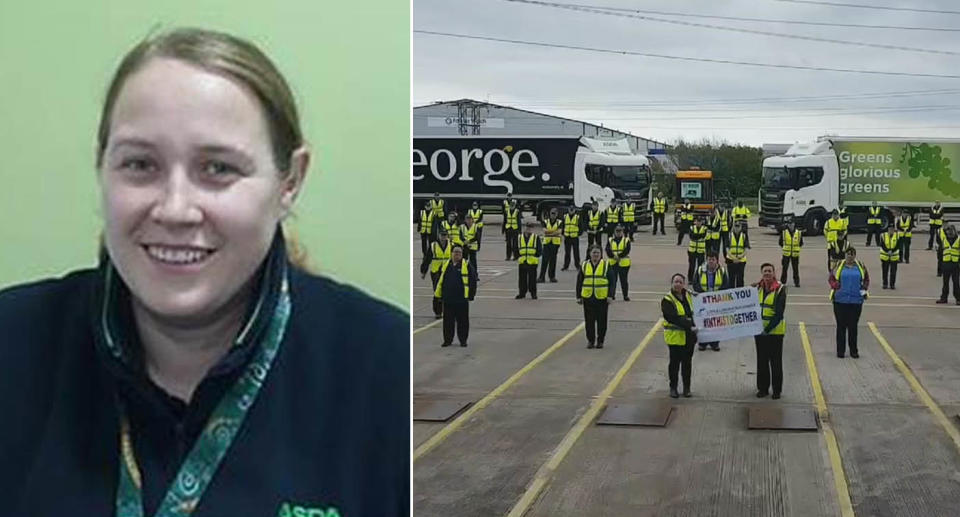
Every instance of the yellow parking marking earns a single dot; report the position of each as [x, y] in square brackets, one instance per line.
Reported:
[546, 471]
[833, 450]
[917, 387]
[442, 434]
[425, 327]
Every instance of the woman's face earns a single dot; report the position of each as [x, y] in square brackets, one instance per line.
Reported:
[679, 283]
[851, 257]
[190, 191]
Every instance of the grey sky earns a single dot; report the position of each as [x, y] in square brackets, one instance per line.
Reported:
[666, 99]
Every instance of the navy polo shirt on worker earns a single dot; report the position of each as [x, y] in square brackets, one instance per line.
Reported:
[328, 432]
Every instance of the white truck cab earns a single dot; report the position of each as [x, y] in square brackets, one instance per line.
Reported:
[802, 185]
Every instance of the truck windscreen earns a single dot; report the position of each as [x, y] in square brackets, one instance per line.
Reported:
[784, 178]
[619, 176]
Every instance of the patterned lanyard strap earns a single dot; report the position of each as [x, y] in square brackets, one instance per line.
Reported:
[202, 462]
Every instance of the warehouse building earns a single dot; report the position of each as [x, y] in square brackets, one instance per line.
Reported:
[470, 117]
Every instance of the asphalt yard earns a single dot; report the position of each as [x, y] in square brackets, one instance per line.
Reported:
[886, 441]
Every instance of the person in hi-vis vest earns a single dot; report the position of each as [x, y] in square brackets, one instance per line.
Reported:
[769, 343]
[477, 214]
[438, 253]
[531, 248]
[659, 213]
[512, 218]
[950, 244]
[618, 255]
[936, 224]
[552, 233]
[426, 227]
[679, 332]
[889, 256]
[629, 218]
[571, 237]
[593, 292]
[456, 287]
[710, 276]
[791, 240]
[905, 226]
[594, 224]
[874, 222]
[697, 249]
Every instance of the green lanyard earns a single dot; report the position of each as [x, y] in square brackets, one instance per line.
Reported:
[201, 464]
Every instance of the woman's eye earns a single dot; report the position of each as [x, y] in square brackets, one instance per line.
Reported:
[218, 168]
[136, 164]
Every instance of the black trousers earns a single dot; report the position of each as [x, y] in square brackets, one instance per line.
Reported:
[658, 218]
[595, 317]
[693, 262]
[571, 243]
[951, 274]
[713, 245]
[889, 268]
[847, 316]
[456, 316]
[725, 242]
[769, 363]
[471, 256]
[424, 243]
[873, 233]
[681, 358]
[593, 238]
[513, 247]
[681, 231]
[437, 303]
[934, 236]
[621, 273]
[736, 273]
[905, 249]
[479, 236]
[549, 261]
[528, 279]
[785, 263]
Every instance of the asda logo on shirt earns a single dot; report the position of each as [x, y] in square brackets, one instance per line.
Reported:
[292, 510]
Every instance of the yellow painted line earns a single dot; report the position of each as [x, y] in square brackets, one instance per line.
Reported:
[833, 450]
[425, 327]
[546, 471]
[442, 434]
[917, 387]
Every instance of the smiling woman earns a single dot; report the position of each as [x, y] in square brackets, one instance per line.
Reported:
[198, 370]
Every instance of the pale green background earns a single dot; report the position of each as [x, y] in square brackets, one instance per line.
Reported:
[347, 62]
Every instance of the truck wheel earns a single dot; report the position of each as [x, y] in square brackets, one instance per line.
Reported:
[814, 222]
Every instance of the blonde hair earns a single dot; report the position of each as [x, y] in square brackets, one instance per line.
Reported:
[228, 56]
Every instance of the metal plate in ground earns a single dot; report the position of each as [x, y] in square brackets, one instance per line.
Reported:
[782, 418]
[654, 413]
[437, 410]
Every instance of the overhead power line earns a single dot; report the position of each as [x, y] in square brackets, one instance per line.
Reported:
[571, 7]
[770, 20]
[877, 7]
[684, 58]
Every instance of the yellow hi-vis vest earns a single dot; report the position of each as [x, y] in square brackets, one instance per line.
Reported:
[714, 225]
[528, 250]
[839, 270]
[453, 232]
[903, 223]
[767, 301]
[672, 334]
[936, 217]
[874, 215]
[724, 222]
[594, 222]
[477, 216]
[659, 205]
[951, 252]
[740, 213]
[426, 221]
[552, 226]
[791, 243]
[464, 274]
[629, 212]
[595, 281]
[697, 242]
[469, 235]
[831, 228]
[613, 215]
[736, 248]
[512, 219]
[571, 225]
[890, 242]
[719, 276]
[686, 213]
[617, 248]
[437, 207]
[440, 255]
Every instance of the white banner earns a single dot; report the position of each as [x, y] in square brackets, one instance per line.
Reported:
[728, 314]
[495, 123]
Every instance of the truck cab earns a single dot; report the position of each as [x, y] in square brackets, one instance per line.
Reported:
[800, 185]
[696, 186]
